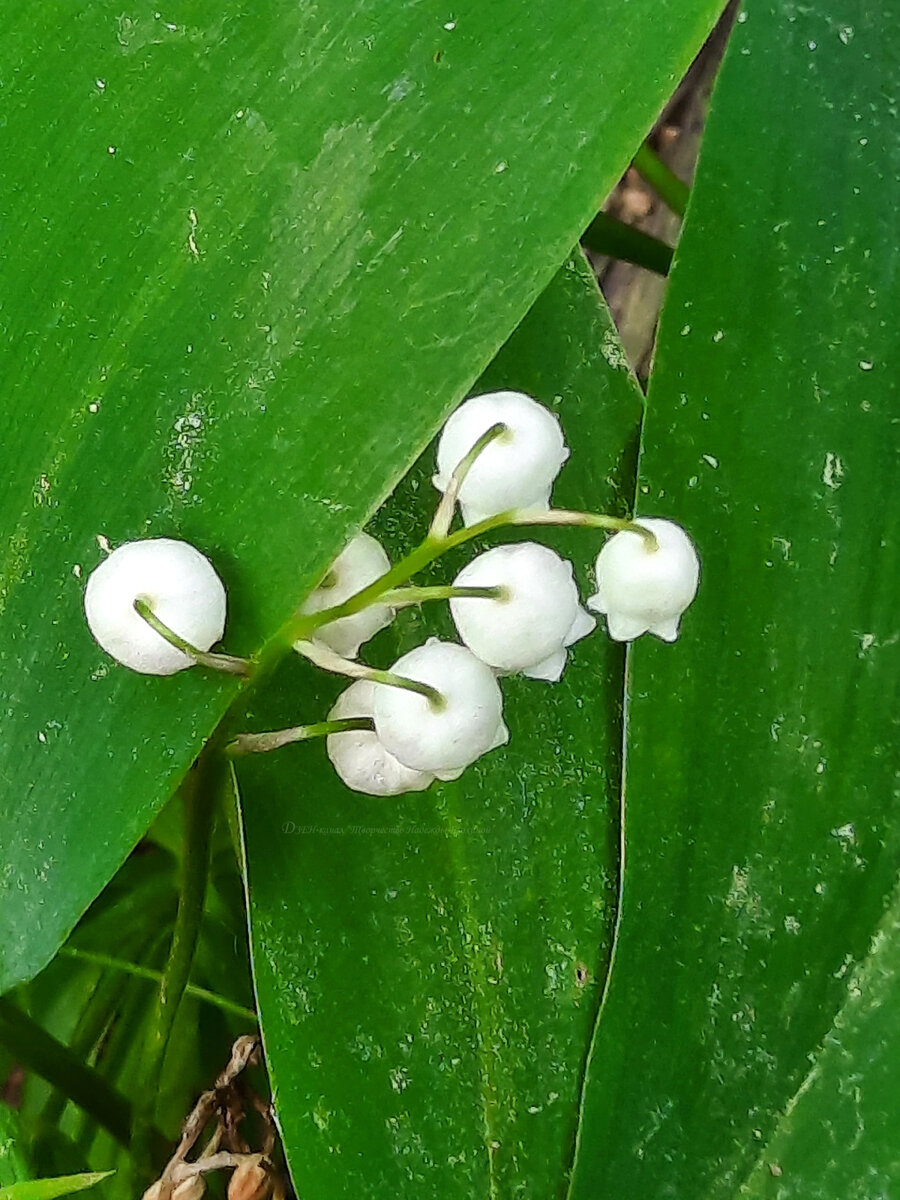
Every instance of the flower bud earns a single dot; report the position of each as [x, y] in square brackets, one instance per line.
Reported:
[517, 469]
[360, 563]
[645, 590]
[529, 627]
[180, 586]
[443, 740]
[250, 1181]
[359, 757]
[192, 1188]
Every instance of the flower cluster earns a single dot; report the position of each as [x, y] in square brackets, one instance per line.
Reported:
[158, 606]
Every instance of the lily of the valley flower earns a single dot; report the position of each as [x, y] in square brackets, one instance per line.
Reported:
[443, 739]
[360, 758]
[517, 469]
[538, 614]
[176, 582]
[645, 590]
[360, 563]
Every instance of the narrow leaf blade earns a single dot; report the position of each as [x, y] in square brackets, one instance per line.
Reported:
[760, 795]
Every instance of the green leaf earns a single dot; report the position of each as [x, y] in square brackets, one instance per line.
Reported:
[837, 1137]
[428, 968]
[760, 802]
[13, 1163]
[256, 259]
[52, 1189]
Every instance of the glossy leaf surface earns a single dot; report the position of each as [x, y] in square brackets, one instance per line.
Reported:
[428, 967]
[838, 1136]
[257, 255]
[760, 795]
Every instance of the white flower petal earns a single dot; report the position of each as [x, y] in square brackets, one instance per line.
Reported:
[515, 471]
[445, 739]
[537, 616]
[583, 624]
[182, 589]
[360, 563]
[643, 589]
[550, 668]
[360, 759]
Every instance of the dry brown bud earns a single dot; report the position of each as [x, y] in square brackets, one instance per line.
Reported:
[251, 1181]
[190, 1189]
[154, 1191]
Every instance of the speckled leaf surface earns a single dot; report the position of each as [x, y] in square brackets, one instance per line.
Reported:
[254, 253]
[761, 763]
[838, 1135]
[428, 967]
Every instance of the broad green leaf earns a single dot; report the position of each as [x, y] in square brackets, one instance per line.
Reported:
[52, 1189]
[838, 1135]
[760, 799]
[258, 254]
[428, 968]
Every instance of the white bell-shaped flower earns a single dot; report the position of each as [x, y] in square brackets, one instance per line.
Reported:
[177, 582]
[529, 627]
[642, 590]
[360, 563]
[359, 757]
[447, 739]
[517, 469]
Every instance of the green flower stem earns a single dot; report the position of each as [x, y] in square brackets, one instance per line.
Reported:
[399, 597]
[662, 179]
[262, 743]
[302, 626]
[218, 662]
[199, 792]
[40, 1052]
[564, 516]
[326, 658]
[443, 516]
[141, 972]
[606, 235]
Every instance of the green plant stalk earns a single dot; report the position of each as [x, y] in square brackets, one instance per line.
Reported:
[262, 743]
[302, 626]
[399, 597]
[140, 972]
[94, 1018]
[218, 662]
[39, 1051]
[199, 792]
[662, 179]
[127, 1032]
[443, 517]
[326, 658]
[606, 235]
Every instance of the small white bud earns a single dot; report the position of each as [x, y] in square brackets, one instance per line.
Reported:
[180, 586]
[360, 563]
[642, 590]
[442, 740]
[359, 757]
[529, 628]
[517, 469]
